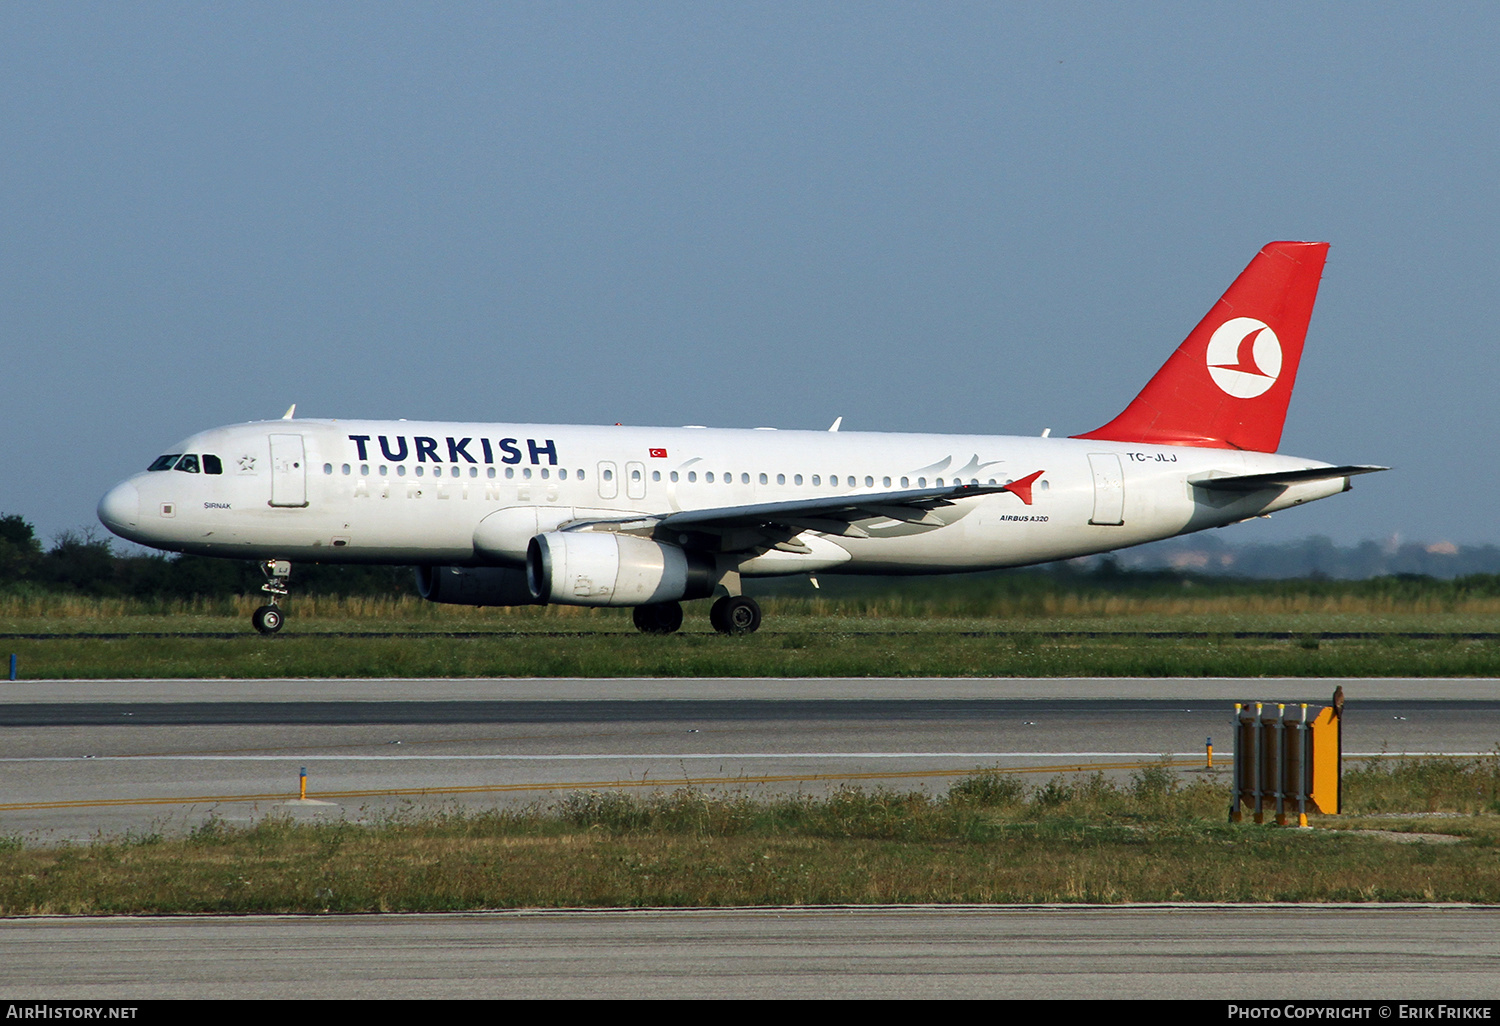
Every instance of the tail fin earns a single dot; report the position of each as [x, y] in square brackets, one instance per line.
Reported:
[1227, 386]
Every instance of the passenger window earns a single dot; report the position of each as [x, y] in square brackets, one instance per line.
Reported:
[510, 472]
[473, 471]
[546, 473]
[656, 475]
[609, 475]
[188, 464]
[906, 482]
[921, 482]
[870, 482]
[580, 475]
[745, 479]
[709, 477]
[764, 479]
[798, 480]
[939, 482]
[526, 473]
[817, 480]
[635, 475]
[347, 470]
[401, 470]
[781, 479]
[562, 475]
[673, 476]
[165, 462]
[421, 470]
[490, 473]
[384, 471]
[364, 470]
[692, 476]
[212, 465]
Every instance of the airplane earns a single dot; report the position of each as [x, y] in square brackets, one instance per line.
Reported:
[647, 517]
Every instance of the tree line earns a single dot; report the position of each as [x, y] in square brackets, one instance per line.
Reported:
[80, 562]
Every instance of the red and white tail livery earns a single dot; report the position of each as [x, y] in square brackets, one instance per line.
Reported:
[1228, 385]
[509, 514]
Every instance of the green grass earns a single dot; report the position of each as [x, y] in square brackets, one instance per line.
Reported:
[812, 651]
[1082, 839]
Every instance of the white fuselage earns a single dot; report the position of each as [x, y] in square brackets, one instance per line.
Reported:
[474, 494]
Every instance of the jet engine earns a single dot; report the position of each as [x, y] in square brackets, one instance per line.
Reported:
[600, 569]
[474, 586]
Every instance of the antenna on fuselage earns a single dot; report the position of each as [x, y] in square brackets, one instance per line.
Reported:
[836, 422]
[289, 411]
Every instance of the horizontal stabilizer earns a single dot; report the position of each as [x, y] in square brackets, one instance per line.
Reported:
[1281, 479]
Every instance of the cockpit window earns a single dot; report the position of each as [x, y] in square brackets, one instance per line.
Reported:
[211, 464]
[165, 462]
[188, 464]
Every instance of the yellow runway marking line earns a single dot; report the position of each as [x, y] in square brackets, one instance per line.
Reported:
[585, 785]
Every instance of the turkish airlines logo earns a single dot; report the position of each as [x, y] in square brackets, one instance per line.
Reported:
[1244, 357]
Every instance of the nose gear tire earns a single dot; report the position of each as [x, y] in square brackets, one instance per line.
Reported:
[267, 619]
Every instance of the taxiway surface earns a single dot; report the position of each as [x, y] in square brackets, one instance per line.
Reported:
[1281, 953]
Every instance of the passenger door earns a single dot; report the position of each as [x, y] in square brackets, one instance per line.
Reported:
[288, 471]
[1109, 489]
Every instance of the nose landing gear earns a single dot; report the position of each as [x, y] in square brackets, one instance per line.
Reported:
[269, 618]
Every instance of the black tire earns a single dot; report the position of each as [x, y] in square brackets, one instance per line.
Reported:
[658, 618]
[739, 614]
[267, 619]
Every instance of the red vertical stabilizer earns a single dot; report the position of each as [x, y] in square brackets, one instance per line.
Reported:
[1228, 385]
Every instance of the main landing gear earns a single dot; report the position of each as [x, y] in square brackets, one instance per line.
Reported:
[269, 618]
[658, 618]
[732, 614]
[735, 614]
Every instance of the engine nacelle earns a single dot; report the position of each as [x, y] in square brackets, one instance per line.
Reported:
[600, 569]
[474, 586]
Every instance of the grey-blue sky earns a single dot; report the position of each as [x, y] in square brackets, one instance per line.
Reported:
[988, 218]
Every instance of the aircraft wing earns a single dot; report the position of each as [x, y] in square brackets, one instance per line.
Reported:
[836, 514]
[1283, 478]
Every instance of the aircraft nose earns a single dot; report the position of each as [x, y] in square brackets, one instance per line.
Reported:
[120, 508]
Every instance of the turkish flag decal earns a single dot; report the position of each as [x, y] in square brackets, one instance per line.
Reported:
[658, 454]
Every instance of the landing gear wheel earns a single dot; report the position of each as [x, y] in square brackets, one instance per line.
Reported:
[658, 618]
[266, 619]
[737, 614]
